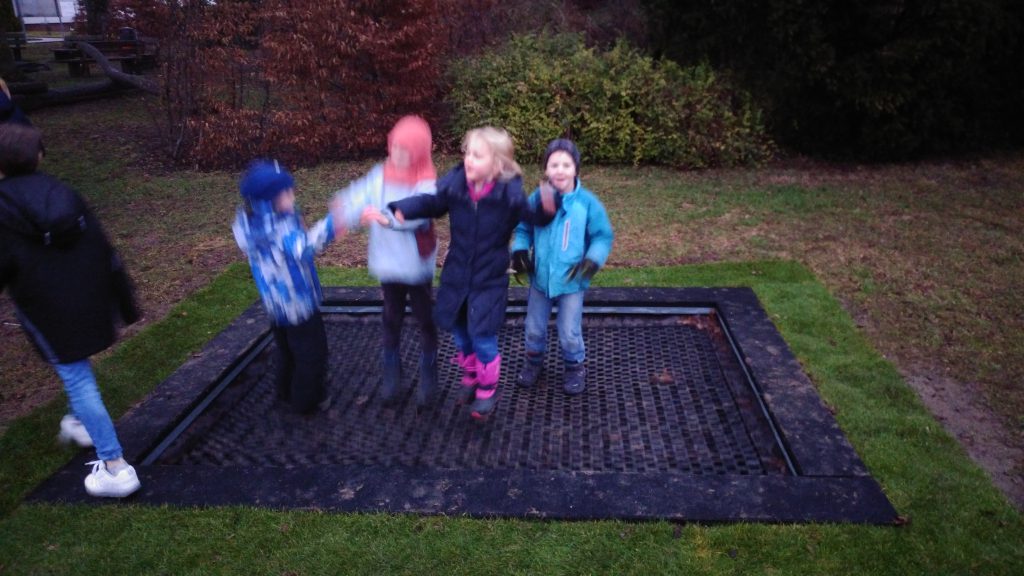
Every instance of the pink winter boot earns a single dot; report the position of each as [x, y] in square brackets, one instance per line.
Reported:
[467, 386]
[486, 388]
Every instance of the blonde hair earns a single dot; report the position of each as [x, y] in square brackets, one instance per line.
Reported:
[501, 146]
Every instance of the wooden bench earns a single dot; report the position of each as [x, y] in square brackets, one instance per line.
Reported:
[16, 41]
[133, 55]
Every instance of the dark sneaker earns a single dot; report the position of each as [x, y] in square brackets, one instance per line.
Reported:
[530, 373]
[575, 378]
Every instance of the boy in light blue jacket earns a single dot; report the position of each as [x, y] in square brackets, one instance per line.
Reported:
[567, 253]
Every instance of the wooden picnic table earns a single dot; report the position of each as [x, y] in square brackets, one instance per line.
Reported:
[133, 55]
[17, 41]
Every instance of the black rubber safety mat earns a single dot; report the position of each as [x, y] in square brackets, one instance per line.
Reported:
[673, 424]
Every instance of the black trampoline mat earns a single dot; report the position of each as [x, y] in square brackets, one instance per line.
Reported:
[694, 410]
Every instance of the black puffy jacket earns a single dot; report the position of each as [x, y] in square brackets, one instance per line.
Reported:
[65, 278]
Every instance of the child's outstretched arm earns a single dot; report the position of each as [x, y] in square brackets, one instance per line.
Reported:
[301, 243]
[522, 238]
[419, 206]
[350, 203]
[399, 221]
[543, 212]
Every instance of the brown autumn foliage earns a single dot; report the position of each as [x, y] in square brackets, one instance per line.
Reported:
[313, 80]
[298, 80]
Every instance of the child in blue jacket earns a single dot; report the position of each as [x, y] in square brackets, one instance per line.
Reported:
[271, 233]
[484, 200]
[567, 253]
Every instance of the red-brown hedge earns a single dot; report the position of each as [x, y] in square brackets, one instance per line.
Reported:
[299, 80]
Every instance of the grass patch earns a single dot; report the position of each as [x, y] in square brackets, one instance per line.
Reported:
[958, 523]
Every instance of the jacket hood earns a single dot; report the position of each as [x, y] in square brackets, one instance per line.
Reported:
[42, 208]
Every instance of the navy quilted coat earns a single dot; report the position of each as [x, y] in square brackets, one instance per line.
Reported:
[475, 273]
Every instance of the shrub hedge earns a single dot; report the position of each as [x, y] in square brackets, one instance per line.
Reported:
[620, 106]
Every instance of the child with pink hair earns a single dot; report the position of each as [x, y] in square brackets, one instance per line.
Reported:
[402, 255]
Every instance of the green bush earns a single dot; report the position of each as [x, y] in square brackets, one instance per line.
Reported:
[620, 106]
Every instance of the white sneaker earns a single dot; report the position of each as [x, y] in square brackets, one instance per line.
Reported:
[72, 430]
[102, 483]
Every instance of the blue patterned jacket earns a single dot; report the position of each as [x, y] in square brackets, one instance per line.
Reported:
[280, 252]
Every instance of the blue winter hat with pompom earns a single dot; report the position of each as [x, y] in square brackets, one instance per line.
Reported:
[264, 180]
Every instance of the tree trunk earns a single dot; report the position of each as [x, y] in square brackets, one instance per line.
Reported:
[115, 82]
[133, 80]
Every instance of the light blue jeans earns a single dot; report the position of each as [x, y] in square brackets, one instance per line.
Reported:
[569, 323]
[87, 406]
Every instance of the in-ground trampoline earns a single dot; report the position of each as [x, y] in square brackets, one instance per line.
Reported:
[695, 410]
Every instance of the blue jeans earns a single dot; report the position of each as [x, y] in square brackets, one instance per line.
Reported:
[569, 323]
[87, 406]
[486, 348]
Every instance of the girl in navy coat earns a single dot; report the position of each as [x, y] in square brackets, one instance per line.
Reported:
[484, 200]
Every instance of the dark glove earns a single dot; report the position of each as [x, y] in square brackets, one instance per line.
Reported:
[521, 263]
[585, 270]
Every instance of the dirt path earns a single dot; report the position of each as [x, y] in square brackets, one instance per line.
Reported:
[964, 413]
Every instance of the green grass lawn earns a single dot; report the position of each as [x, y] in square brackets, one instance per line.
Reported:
[956, 521]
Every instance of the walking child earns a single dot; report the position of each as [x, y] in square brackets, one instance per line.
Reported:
[270, 231]
[401, 255]
[567, 253]
[68, 286]
[483, 197]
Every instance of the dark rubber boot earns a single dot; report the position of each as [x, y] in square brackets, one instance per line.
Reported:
[486, 388]
[532, 369]
[575, 378]
[391, 372]
[428, 380]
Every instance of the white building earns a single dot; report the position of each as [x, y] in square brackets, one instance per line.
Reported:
[42, 12]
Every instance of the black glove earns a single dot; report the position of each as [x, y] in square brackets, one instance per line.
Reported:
[521, 262]
[585, 270]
